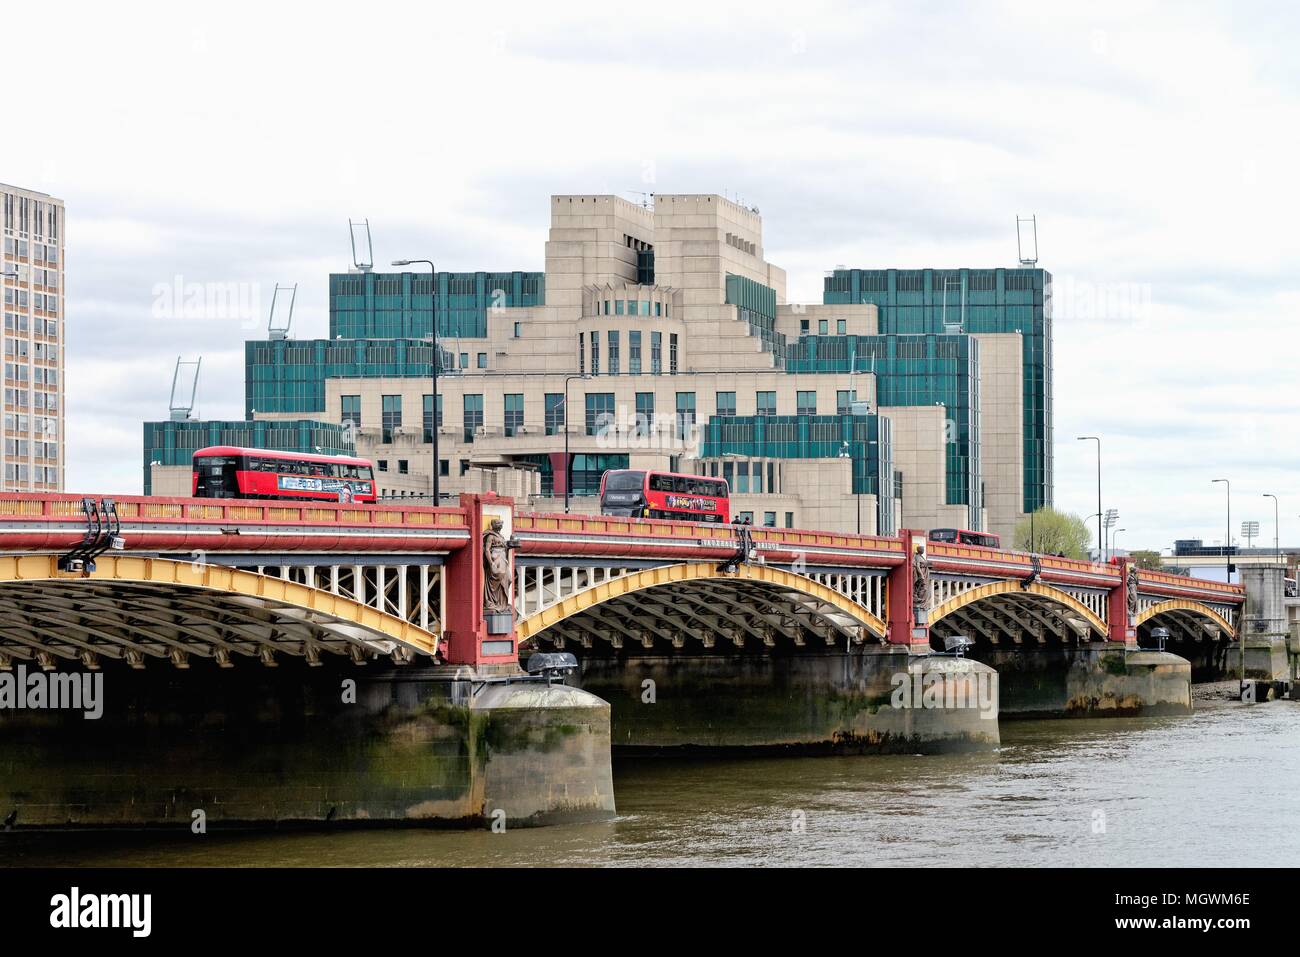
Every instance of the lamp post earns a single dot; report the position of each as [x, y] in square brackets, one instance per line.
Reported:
[1112, 519]
[568, 470]
[433, 341]
[1114, 540]
[1227, 538]
[1277, 547]
[1093, 438]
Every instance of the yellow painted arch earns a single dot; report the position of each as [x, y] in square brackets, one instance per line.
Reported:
[221, 579]
[1183, 604]
[693, 571]
[1016, 587]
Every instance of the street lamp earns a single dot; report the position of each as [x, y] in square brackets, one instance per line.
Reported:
[1093, 438]
[1227, 538]
[568, 469]
[1114, 540]
[433, 341]
[1112, 519]
[1277, 547]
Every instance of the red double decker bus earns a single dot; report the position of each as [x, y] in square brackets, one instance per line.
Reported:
[227, 471]
[649, 494]
[961, 536]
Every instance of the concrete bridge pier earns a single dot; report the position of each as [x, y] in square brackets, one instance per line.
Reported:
[1267, 644]
[1090, 680]
[295, 744]
[876, 699]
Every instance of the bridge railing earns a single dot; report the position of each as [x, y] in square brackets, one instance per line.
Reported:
[27, 507]
[1157, 581]
[787, 541]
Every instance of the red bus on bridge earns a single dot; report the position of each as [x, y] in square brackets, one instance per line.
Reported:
[961, 536]
[227, 471]
[649, 494]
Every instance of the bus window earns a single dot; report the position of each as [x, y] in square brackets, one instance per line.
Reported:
[624, 480]
[661, 483]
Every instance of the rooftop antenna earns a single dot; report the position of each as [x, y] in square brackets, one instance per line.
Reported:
[366, 264]
[645, 197]
[1027, 240]
[274, 331]
[184, 413]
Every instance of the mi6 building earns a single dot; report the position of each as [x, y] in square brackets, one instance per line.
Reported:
[658, 336]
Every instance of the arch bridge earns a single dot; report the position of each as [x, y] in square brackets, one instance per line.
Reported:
[231, 581]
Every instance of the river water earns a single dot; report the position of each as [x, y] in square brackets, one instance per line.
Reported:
[1192, 791]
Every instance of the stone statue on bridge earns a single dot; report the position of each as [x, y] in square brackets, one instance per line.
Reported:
[1131, 593]
[496, 569]
[920, 585]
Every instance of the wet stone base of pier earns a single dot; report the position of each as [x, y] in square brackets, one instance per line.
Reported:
[1089, 681]
[873, 700]
[295, 745]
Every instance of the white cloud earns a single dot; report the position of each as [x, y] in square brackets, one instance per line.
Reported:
[1156, 144]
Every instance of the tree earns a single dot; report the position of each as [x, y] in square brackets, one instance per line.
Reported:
[1145, 558]
[1053, 533]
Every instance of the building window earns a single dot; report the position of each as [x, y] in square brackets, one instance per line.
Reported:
[392, 416]
[464, 466]
[613, 352]
[382, 465]
[841, 327]
[672, 353]
[351, 411]
[806, 403]
[822, 327]
[766, 403]
[444, 467]
[742, 477]
[747, 518]
[464, 360]
[554, 402]
[656, 353]
[645, 412]
[769, 519]
[482, 360]
[726, 403]
[789, 519]
[844, 399]
[618, 307]
[803, 326]
[403, 466]
[514, 415]
[685, 413]
[582, 355]
[519, 326]
[595, 353]
[428, 422]
[600, 411]
[473, 416]
[634, 352]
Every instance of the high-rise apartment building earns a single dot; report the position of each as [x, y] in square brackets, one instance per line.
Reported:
[32, 266]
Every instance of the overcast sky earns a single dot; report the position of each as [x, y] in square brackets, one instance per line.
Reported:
[1156, 143]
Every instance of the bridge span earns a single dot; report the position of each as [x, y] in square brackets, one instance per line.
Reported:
[695, 635]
